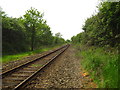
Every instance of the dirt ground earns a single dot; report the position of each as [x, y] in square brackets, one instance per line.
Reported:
[65, 72]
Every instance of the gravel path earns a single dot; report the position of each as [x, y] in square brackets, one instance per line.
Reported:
[65, 72]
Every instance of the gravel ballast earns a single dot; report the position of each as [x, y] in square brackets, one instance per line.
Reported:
[64, 72]
[15, 63]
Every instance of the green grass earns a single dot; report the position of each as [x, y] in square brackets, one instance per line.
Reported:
[102, 65]
[0, 60]
[7, 58]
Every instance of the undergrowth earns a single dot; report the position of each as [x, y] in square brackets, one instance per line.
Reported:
[101, 64]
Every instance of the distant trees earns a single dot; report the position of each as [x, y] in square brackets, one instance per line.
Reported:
[58, 38]
[68, 41]
[77, 38]
[26, 33]
[103, 28]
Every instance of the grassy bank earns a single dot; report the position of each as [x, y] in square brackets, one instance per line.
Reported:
[101, 63]
[7, 58]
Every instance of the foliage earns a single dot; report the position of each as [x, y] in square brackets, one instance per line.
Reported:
[25, 33]
[103, 28]
[102, 65]
[13, 36]
[101, 35]
[58, 39]
[68, 41]
[77, 38]
[33, 22]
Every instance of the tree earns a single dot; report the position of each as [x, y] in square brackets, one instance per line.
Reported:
[58, 38]
[13, 35]
[26, 33]
[33, 19]
[59, 35]
[103, 28]
[44, 35]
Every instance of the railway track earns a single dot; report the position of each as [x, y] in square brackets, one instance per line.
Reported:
[19, 76]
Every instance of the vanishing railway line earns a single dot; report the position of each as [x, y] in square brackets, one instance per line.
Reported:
[19, 76]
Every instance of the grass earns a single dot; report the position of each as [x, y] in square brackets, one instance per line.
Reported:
[102, 65]
[7, 58]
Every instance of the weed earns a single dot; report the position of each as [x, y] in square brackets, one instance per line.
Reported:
[103, 66]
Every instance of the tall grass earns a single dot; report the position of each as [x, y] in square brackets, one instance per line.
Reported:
[102, 65]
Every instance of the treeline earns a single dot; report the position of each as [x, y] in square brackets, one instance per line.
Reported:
[99, 44]
[102, 29]
[26, 33]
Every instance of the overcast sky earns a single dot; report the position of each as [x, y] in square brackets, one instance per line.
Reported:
[64, 16]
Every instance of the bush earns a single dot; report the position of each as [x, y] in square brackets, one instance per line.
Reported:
[102, 65]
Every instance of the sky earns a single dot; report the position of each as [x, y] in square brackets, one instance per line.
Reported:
[64, 16]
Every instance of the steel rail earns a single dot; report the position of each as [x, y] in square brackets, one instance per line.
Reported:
[24, 83]
[27, 63]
